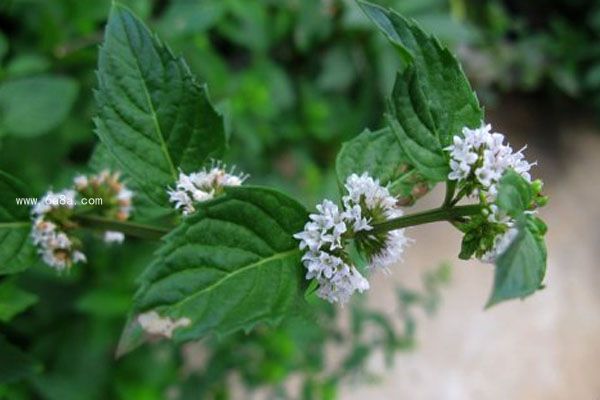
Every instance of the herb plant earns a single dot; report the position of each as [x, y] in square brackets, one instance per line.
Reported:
[229, 256]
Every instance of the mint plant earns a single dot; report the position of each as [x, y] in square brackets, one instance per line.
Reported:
[232, 255]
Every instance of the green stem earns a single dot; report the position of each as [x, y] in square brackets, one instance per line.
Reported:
[142, 231]
[425, 217]
[462, 193]
[450, 189]
[129, 228]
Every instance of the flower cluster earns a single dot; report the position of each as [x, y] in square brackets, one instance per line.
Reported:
[53, 216]
[323, 238]
[478, 160]
[369, 202]
[326, 235]
[54, 245]
[202, 186]
[116, 198]
[482, 156]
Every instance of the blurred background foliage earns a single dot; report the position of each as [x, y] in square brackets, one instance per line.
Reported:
[294, 79]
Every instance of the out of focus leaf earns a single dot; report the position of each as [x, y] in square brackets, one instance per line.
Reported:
[34, 106]
[185, 17]
[16, 250]
[14, 300]
[104, 303]
[14, 363]
[27, 64]
[3, 46]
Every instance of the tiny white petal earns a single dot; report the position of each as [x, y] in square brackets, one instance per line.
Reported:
[114, 237]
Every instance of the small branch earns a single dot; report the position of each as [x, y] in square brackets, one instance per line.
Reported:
[437, 214]
[129, 228]
[450, 189]
[463, 192]
[15, 225]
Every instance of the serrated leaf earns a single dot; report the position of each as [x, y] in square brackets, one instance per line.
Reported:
[412, 123]
[153, 116]
[520, 270]
[380, 154]
[29, 106]
[514, 194]
[14, 300]
[231, 265]
[432, 99]
[16, 250]
[14, 363]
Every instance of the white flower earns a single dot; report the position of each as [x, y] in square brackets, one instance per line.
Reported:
[324, 230]
[364, 191]
[325, 235]
[353, 213]
[331, 223]
[342, 285]
[364, 188]
[52, 200]
[114, 237]
[202, 186]
[54, 246]
[181, 199]
[321, 265]
[81, 182]
[501, 243]
[484, 154]
[124, 198]
[106, 185]
[337, 280]
[391, 253]
[78, 256]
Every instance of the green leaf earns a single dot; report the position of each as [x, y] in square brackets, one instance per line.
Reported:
[16, 250]
[231, 265]
[14, 300]
[14, 363]
[153, 117]
[432, 99]
[188, 17]
[412, 123]
[380, 154]
[520, 270]
[514, 194]
[27, 64]
[34, 106]
[3, 46]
